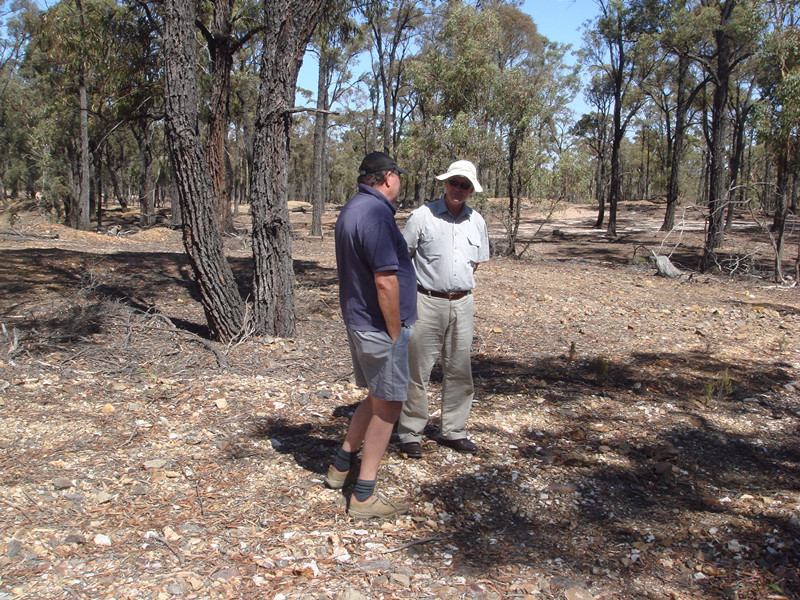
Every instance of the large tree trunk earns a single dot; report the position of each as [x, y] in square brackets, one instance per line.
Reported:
[219, 295]
[289, 24]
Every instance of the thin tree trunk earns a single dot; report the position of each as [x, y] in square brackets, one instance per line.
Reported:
[81, 217]
[601, 191]
[511, 250]
[98, 189]
[737, 154]
[676, 154]
[615, 184]
[320, 139]
[143, 132]
[781, 211]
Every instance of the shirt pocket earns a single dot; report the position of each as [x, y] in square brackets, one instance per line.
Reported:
[428, 235]
[473, 246]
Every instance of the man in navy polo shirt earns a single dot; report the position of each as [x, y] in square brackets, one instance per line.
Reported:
[378, 297]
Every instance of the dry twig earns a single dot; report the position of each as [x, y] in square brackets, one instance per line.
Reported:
[434, 538]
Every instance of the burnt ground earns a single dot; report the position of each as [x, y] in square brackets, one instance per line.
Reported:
[638, 435]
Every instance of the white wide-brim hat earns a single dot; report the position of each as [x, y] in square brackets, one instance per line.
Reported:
[463, 168]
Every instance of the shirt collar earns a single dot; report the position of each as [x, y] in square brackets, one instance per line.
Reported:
[439, 207]
[368, 189]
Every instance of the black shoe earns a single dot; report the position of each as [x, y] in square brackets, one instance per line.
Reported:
[463, 445]
[411, 449]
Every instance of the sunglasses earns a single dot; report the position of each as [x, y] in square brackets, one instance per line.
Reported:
[464, 185]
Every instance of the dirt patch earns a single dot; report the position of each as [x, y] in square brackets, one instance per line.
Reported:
[638, 435]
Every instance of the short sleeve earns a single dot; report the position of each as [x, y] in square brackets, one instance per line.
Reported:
[411, 232]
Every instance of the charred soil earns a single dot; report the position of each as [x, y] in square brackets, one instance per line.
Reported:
[638, 435]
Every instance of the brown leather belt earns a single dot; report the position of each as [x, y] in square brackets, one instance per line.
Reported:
[453, 296]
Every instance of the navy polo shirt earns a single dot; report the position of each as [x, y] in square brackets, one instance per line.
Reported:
[368, 241]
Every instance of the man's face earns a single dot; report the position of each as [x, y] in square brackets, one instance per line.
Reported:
[457, 190]
[392, 186]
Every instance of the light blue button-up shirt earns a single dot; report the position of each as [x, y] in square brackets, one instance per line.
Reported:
[444, 249]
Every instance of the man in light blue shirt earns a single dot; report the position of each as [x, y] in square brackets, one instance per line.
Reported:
[446, 240]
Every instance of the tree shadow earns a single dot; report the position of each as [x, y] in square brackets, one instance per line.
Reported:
[594, 518]
[311, 445]
[81, 281]
[619, 499]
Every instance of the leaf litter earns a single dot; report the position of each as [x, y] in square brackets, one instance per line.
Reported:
[638, 437]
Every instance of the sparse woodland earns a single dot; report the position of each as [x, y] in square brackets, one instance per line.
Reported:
[638, 433]
[174, 374]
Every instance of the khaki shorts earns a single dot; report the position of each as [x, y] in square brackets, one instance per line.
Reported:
[381, 365]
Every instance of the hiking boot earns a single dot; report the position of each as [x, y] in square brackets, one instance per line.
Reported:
[376, 506]
[335, 478]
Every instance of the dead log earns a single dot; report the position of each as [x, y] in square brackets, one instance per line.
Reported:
[665, 267]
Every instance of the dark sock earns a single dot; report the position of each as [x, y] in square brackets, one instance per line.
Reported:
[343, 459]
[364, 489]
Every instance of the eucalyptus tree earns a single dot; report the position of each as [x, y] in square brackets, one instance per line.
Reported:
[452, 78]
[337, 42]
[491, 89]
[140, 103]
[15, 99]
[730, 29]
[391, 25]
[288, 26]
[620, 44]
[83, 52]
[674, 90]
[533, 87]
[228, 28]
[778, 112]
[13, 37]
[595, 128]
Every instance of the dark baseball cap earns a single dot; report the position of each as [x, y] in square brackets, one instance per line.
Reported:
[378, 161]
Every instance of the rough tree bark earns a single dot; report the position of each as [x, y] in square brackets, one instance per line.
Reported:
[718, 182]
[289, 25]
[219, 295]
[221, 49]
[79, 216]
[143, 132]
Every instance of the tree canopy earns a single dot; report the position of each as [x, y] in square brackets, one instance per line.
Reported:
[692, 101]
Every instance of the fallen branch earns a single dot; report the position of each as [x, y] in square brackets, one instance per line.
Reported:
[14, 233]
[435, 538]
[177, 554]
[222, 361]
[19, 508]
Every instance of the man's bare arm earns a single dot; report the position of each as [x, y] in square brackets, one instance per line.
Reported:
[389, 301]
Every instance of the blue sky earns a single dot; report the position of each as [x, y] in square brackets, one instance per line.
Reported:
[558, 20]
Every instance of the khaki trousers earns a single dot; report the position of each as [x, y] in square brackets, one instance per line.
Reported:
[443, 331]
